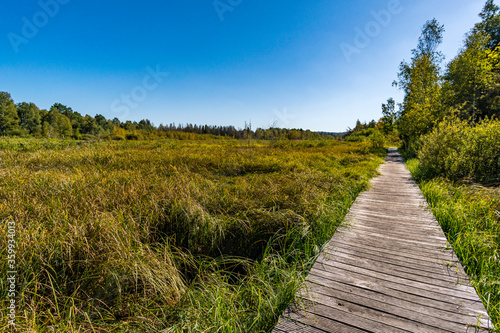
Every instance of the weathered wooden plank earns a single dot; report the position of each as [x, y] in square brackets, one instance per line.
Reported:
[388, 268]
[428, 242]
[431, 267]
[428, 299]
[397, 278]
[317, 322]
[388, 198]
[371, 311]
[420, 224]
[408, 210]
[385, 266]
[401, 247]
[397, 255]
[423, 222]
[287, 325]
[436, 317]
[364, 281]
[326, 318]
[400, 233]
[442, 256]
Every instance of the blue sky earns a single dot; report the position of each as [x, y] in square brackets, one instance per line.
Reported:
[221, 63]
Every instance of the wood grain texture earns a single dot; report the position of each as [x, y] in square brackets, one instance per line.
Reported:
[388, 268]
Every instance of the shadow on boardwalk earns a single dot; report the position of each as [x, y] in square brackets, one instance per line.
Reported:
[388, 268]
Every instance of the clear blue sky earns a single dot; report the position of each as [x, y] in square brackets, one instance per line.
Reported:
[228, 61]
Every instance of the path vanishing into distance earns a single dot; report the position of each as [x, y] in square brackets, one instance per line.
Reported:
[388, 268]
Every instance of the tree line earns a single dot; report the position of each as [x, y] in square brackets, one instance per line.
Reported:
[466, 88]
[61, 121]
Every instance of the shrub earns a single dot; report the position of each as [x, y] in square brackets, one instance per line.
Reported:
[354, 138]
[132, 136]
[441, 151]
[18, 132]
[361, 135]
[482, 149]
[457, 150]
[377, 140]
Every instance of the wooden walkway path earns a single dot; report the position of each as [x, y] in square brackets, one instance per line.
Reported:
[387, 269]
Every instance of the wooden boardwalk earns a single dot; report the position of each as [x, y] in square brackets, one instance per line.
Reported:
[387, 269]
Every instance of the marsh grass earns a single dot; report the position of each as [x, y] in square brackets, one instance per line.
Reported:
[169, 236]
[470, 217]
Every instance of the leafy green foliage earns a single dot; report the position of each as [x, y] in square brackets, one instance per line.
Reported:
[469, 88]
[377, 140]
[59, 125]
[473, 78]
[389, 116]
[363, 134]
[29, 117]
[9, 120]
[456, 150]
[420, 80]
[490, 24]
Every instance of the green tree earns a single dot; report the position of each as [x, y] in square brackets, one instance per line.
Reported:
[358, 127]
[489, 25]
[9, 120]
[421, 82]
[104, 125]
[75, 117]
[58, 124]
[89, 125]
[473, 76]
[29, 117]
[389, 116]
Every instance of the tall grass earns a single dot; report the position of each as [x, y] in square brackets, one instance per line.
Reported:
[470, 217]
[169, 236]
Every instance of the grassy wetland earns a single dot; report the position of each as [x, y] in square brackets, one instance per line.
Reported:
[120, 225]
[169, 235]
